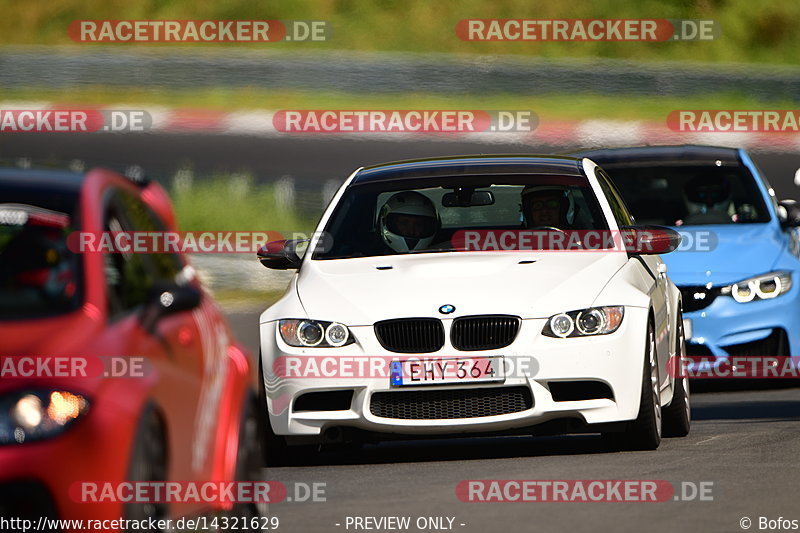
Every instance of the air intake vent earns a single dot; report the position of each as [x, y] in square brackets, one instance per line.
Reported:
[486, 332]
[451, 404]
[775, 344]
[410, 335]
[575, 391]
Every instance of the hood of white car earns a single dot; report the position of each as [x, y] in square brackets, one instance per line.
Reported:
[362, 291]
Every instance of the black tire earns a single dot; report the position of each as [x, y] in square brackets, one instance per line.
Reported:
[274, 451]
[248, 463]
[677, 416]
[148, 464]
[644, 433]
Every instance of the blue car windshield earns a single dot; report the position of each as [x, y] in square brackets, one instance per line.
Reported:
[689, 195]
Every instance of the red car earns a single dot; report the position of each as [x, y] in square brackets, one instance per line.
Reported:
[189, 416]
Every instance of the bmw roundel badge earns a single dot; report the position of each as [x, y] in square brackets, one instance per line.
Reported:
[446, 309]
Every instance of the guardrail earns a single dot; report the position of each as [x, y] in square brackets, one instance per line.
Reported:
[68, 67]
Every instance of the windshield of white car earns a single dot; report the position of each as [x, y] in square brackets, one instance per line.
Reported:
[431, 215]
[689, 195]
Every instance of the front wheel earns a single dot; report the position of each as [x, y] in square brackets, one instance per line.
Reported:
[248, 464]
[678, 414]
[644, 433]
[148, 464]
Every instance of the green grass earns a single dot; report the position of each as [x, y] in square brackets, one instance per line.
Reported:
[758, 32]
[232, 299]
[234, 203]
[547, 107]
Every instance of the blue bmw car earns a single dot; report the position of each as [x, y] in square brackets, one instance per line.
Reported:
[739, 262]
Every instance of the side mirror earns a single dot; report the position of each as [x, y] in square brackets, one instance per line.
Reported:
[650, 240]
[165, 300]
[790, 217]
[281, 255]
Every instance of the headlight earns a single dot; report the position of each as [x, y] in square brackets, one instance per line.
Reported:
[763, 287]
[586, 322]
[36, 415]
[314, 333]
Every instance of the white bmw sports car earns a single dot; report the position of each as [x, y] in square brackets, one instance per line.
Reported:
[474, 295]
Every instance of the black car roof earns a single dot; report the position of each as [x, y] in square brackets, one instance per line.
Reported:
[52, 180]
[672, 155]
[473, 165]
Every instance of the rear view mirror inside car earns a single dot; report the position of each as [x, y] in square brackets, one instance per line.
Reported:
[467, 198]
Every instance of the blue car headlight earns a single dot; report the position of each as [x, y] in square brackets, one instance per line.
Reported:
[764, 287]
[40, 414]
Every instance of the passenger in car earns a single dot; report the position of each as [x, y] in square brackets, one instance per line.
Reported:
[547, 206]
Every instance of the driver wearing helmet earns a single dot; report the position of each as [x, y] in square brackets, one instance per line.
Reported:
[708, 201]
[547, 206]
[408, 222]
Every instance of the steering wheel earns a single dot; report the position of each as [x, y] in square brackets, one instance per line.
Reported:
[549, 228]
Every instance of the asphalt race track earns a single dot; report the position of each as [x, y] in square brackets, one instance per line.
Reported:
[305, 158]
[744, 441]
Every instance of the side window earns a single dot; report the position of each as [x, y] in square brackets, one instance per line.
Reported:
[164, 266]
[772, 198]
[621, 213]
[127, 278]
[131, 276]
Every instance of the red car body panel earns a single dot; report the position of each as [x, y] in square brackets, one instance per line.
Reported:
[197, 380]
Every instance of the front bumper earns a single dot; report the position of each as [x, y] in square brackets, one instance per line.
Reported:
[95, 449]
[726, 330]
[534, 363]
[52, 468]
[27, 500]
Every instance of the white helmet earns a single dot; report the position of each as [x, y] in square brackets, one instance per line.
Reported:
[408, 221]
[708, 200]
[568, 203]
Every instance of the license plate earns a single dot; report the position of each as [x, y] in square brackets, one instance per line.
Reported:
[444, 371]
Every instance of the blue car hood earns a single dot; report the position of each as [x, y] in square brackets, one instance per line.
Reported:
[739, 252]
